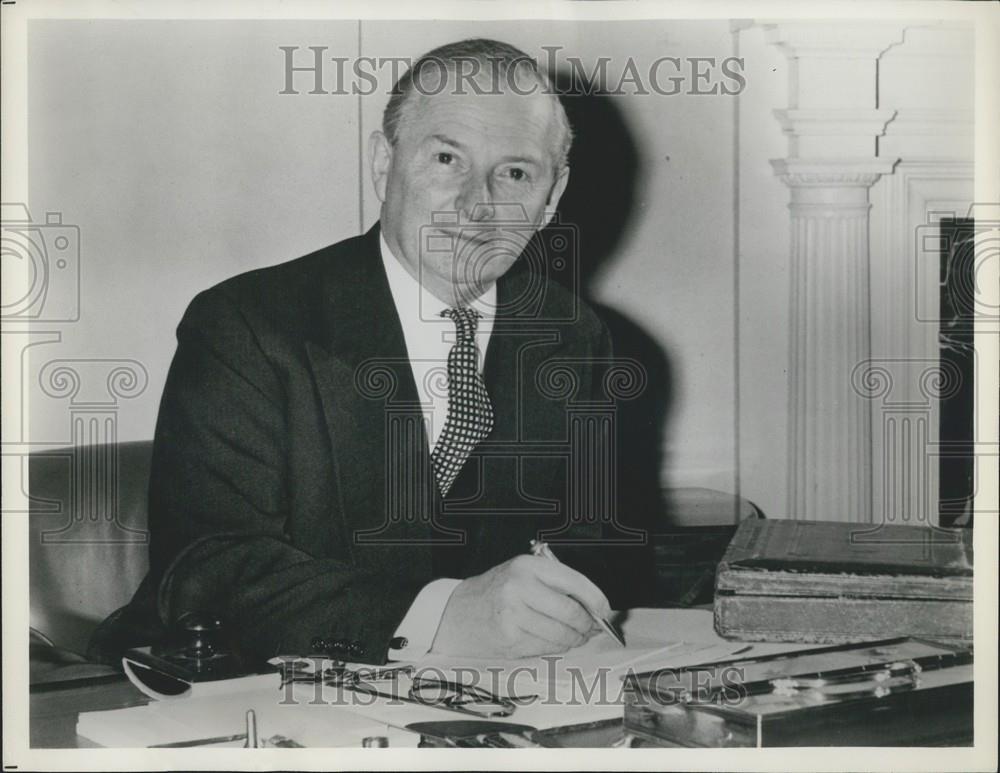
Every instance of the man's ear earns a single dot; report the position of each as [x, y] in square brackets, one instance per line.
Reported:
[555, 194]
[380, 159]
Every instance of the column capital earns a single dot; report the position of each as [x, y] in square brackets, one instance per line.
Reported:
[832, 172]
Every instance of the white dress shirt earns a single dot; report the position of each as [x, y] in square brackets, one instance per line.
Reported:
[429, 337]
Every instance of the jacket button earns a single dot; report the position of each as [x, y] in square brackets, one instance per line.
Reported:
[398, 642]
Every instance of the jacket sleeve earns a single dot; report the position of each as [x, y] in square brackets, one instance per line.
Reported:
[219, 505]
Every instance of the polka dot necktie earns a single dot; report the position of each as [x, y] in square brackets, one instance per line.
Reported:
[470, 416]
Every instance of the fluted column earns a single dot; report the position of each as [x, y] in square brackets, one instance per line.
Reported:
[830, 423]
[832, 123]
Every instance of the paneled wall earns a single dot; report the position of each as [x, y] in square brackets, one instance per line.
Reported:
[837, 402]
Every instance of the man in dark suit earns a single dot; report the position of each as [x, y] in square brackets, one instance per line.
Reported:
[355, 448]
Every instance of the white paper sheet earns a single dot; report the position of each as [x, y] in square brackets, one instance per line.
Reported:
[225, 714]
[655, 638]
[582, 685]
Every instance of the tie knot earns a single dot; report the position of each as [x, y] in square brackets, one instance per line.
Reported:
[465, 320]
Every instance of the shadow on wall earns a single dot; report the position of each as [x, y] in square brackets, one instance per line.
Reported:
[599, 202]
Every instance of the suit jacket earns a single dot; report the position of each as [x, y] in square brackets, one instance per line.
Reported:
[291, 489]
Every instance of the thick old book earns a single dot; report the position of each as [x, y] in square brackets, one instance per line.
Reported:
[818, 581]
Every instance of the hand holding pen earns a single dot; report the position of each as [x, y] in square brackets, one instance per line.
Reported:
[539, 548]
[523, 607]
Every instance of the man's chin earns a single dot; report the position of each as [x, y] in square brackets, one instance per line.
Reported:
[486, 273]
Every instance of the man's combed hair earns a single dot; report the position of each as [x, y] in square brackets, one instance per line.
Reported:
[501, 61]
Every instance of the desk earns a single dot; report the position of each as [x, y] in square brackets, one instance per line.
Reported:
[54, 714]
[54, 708]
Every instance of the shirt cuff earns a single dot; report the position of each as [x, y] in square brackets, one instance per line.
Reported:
[416, 632]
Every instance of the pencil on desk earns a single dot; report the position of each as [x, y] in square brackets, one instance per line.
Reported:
[539, 548]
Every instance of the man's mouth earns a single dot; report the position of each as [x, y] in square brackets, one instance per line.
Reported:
[479, 235]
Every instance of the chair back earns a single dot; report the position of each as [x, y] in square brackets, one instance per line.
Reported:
[88, 548]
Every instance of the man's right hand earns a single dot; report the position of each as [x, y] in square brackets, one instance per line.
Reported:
[526, 606]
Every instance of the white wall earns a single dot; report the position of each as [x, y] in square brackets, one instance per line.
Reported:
[763, 277]
[170, 147]
[168, 144]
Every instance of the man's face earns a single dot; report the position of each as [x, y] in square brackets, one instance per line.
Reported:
[463, 167]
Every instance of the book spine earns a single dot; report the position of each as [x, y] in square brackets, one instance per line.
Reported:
[760, 618]
[772, 583]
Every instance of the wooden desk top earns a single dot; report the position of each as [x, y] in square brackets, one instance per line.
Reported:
[54, 708]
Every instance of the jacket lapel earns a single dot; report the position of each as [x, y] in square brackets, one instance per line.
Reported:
[388, 499]
[522, 338]
[501, 494]
[373, 416]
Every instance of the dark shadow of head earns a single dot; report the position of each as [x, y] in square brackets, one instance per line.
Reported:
[599, 208]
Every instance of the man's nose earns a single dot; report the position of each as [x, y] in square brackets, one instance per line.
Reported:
[475, 200]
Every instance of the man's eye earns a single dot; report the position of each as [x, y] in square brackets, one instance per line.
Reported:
[517, 174]
[444, 158]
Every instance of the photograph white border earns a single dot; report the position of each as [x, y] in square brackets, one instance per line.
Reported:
[15, 530]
